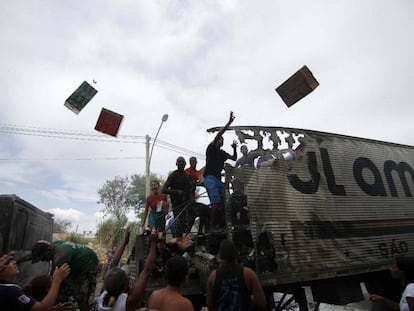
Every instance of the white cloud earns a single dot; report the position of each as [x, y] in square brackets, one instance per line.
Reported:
[195, 61]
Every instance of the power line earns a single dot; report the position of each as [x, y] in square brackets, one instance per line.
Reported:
[79, 135]
[64, 135]
[71, 159]
[183, 150]
[62, 131]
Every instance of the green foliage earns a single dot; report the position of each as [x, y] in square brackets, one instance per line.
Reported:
[61, 226]
[75, 238]
[78, 239]
[112, 232]
[117, 197]
[138, 187]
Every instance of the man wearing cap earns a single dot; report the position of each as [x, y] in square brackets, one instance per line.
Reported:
[231, 286]
[83, 263]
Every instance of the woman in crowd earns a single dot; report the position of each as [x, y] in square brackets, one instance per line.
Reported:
[116, 295]
[157, 206]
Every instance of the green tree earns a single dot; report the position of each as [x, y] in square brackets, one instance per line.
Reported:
[61, 226]
[110, 232]
[117, 197]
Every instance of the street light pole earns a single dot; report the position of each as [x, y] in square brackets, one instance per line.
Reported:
[148, 155]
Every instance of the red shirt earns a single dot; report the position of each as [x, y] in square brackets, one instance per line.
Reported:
[153, 200]
[194, 174]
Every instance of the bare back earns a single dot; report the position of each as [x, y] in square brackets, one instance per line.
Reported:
[167, 299]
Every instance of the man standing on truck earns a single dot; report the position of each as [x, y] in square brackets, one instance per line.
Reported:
[232, 285]
[83, 263]
[194, 175]
[246, 159]
[179, 187]
[215, 158]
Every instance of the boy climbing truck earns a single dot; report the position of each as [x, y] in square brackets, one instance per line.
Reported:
[322, 215]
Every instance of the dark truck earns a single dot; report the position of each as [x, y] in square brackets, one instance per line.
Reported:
[319, 220]
[22, 224]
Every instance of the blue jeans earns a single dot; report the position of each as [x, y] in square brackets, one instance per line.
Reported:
[215, 189]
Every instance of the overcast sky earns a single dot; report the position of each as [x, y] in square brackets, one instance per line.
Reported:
[195, 61]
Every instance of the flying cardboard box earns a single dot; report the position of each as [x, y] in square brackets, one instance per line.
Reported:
[80, 97]
[109, 122]
[300, 84]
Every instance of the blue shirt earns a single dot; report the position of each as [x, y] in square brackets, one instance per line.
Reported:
[12, 298]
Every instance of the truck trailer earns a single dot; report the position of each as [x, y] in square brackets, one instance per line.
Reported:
[322, 215]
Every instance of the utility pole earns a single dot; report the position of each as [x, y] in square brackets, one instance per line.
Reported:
[148, 155]
[147, 166]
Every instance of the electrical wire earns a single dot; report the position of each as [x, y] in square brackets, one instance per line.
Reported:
[71, 159]
[79, 135]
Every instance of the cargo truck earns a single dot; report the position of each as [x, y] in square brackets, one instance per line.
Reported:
[323, 215]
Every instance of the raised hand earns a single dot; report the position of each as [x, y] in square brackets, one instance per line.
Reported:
[232, 117]
[62, 272]
[234, 144]
[5, 260]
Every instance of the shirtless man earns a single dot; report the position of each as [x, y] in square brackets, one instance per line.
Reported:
[170, 297]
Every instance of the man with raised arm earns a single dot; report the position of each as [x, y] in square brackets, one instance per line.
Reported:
[215, 158]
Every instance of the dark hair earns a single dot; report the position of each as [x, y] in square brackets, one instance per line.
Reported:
[39, 250]
[176, 270]
[227, 251]
[406, 264]
[114, 284]
[156, 181]
[38, 287]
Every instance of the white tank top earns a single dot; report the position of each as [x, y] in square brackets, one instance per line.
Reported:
[120, 304]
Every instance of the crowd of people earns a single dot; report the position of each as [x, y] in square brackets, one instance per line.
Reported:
[46, 293]
[229, 287]
[232, 286]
